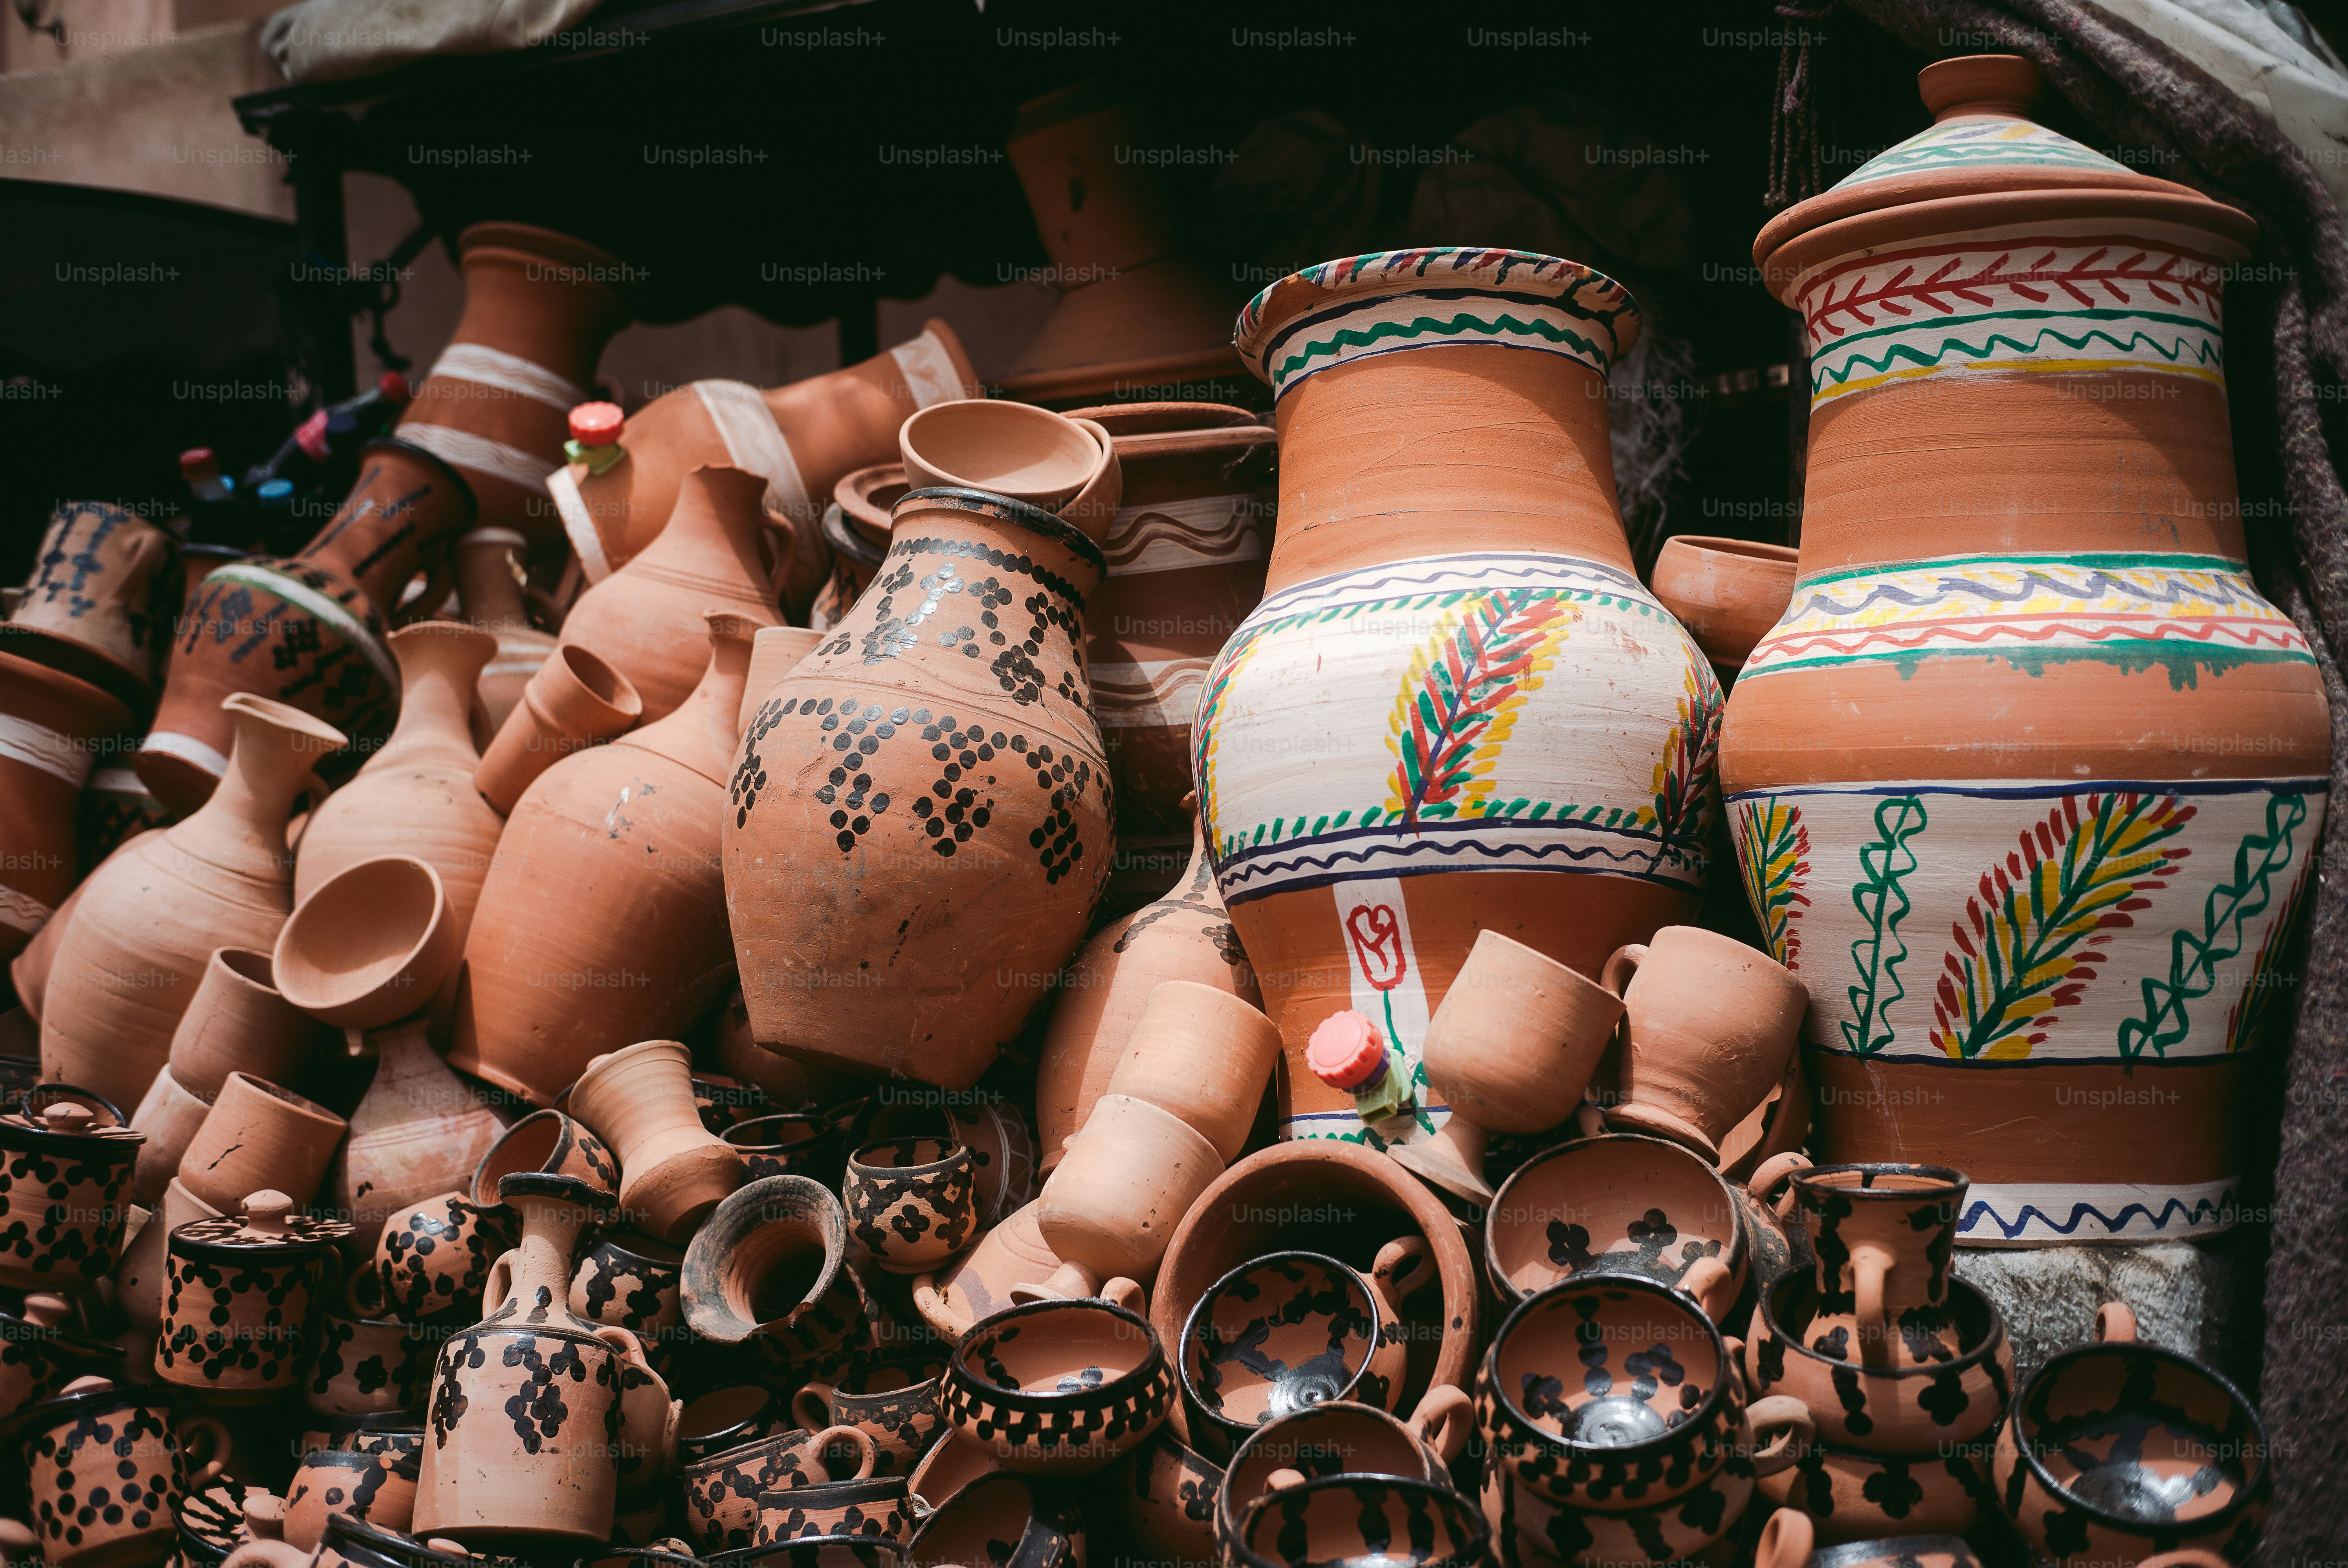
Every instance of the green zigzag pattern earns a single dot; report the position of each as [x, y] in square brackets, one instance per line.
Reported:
[1504, 325]
[2206, 354]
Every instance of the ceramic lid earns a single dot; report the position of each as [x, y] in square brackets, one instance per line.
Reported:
[267, 1224]
[1983, 143]
[49, 1112]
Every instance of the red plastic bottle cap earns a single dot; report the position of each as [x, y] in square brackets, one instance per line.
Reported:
[393, 386]
[311, 437]
[596, 423]
[1345, 1051]
[197, 463]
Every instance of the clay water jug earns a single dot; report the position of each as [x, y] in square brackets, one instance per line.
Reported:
[415, 796]
[625, 836]
[239, 1022]
[2028, 770]
[1185, 936]
[1457, 708]
[644, 620]
[800, 438]
[491, 593]
[52, 724]
[152, 917]
[574, 700]
[1884, 1236]
[307, 630]
[921, 807]
[538, 308]
[100, 593]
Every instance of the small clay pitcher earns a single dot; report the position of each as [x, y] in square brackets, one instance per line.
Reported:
[1277, 1334]
[897, 1404]
[912, 1203]
[1356, 1521]
[260, 1138]
[769, 1272]
[1618, 1204]
[1111, 1208]
[379, 1487]
[238, 1298]
[69, 1168]
[1002, 1518]
[1884, 1236]
[722, 1490]
[1060, 1388]
[1925, 1407]
[673, 1171]
[238, 1021]
[1511, 1050]
[1204, 1055]
[96, 1435]
[1711, 1023]
[573, 701]
[433, 1258]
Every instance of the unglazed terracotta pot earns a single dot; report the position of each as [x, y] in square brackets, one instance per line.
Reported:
[1060, 1388]
[1011, 449]
[919, 809]
[1728, 593]
[67, 1174]
[489, 591]
[239, 1292]
[1618, 1204]
[309, 631]
[94, 586]
[139, 1278]
[896, 1404]
[912, 1203]
[367, 1366]
[1528, 1529]
[538, 308]
[1510, 1050]
[1204, 1055]
[1912, 1409]
[1884, 1236]
[1338, 1439]
[630, 831]
[1279, 1334]
[1134, 317]
[673, 1169]
[1710, 1026]
[773, 652]
[150, 917]
[260, 1137]
[1185, 935]
[573, 701]
[769, 1271]
[1041, 1528]
[94, 1437]
[550, 1144]
[2025, 653]
[53, 724]
[722, 1490]
[369, 945]
[1495, 700]
[419, 1130]
[646, 620]
[635, 1282]
[415, 796]
[1360, 1522]
[1129, 1177]
[379, 1487]
[801, 440]
[239, 1022]
[168, 1118]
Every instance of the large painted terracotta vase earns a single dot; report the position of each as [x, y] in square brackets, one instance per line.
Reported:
[1456, 708]
[2027, 781]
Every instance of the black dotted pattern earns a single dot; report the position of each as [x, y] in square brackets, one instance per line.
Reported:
[235, 1325]
[434, 1259]
[63, 1205]
[103, 1480]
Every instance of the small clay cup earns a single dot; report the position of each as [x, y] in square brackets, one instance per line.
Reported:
[573, 701]
[793, 1145]
[367, 1366]
[1164, 1502]
[1005, 448]
[1909, 1410]
[1710, 1024]
[1360, 1521]
[899, 1405]
[1617, 1204]
[1275, 1336]
[1884, 1236]
[1060, 1388]
[550, 1143]
[260, 1137]
[721, 1491]
[912, 1203]
[1002, 1518]
[433, 1258]
[379, 1487]
[1130, 1175]
[168, 1117]
[1728, 592]
[1203, 1055]
[634, 1281]
[1344, 1437]
[673, 1169]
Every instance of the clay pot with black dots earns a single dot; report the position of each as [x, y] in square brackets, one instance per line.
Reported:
[923, 804]
[1060, 1388]
[1042, 1528]
[104, 1474]
[768, 1272]
[68, 1164]
[240, 1294]
[912, 1203]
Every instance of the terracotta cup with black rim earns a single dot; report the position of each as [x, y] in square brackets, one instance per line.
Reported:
[900, 1405]
[1060, 1386]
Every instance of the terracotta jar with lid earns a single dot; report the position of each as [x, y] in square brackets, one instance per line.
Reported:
[68, 1164]
[237, 1294]
[2027, 783]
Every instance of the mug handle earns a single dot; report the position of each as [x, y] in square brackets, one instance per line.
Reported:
[1443, 1420]
[216, 1436]
[499, 1284]
[1868, 1266]
[1714, 1288]
[2114, 1323]
[1772, 1171]
[1736, 1370]
[867, 1456]
[811, 1406]
[1401, 1269]
[1127, 1294]
[1786, 1541]
[1622, 967]
[1788, 1412]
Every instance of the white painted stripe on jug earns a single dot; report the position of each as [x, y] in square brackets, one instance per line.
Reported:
[756, 442]
[578, 524]
[463, 449]
[187, 748]
[22, 911]
[488, 366]
[929, 370]
[51, 750]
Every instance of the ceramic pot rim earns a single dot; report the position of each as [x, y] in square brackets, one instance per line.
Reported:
[1806, 1180]
[1044, 1508]
[1226, 1515]
[566, 1138]
[820, 1129]
[339, 1459]
[43, 1414]
[842, 536]
[1742, 550]
[441, 470]
[957, 1156]
[510, 1328]
[646, 1555]
[1436, 1493]
[743, 1557]
[1624, 1454]
[32, 1137]
[577, 1190]
[1735, 1254]
[725, 1459]
[1786, 1283]
[1190, 1324]
[831, 1494]
[610, 1240]
[912, 1361]
[1855, 1553]
[378, 1545]
[1108, 1392]
[409, 1420]
[1003, 508]
[736, 1216]
[2253, 1489]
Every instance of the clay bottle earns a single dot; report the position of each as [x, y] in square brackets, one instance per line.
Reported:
[491, 596]
[150, 918]
[417, 1131]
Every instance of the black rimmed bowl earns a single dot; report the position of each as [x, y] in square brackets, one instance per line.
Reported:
[1040, 1528]
[1058, 1387]
[1360, 1522]
[1275, 1336]
[1899, 1409]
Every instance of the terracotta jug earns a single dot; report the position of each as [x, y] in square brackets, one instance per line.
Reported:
[489, 591]
[239, 1022]
[1132, 312]
[51, 726]
[1496, 700]
[158, 909]
[800, 438]
[2035, 795]
[1510, 1050]
[1728, 592]
[538, 308]
[1709, 1026]
[574, 700]
[1111, 1208]
[1186, 561]
[773, 652]
[534, 1412]
[307, 630]
[629, 831]
[673, 1169]
[645, 620]
[100, 586]
[415, 796]
[891, 756]
[1203, 1054]
[419, 1130]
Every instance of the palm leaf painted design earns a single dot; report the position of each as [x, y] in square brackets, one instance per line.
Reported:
[2193, 960]
[1684, 780]
[2262, 998]
[2031, 937]
[1882, 904]
[1460, 699]
[1772, 847]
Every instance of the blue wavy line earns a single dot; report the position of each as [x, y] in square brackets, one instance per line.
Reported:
[1438, 565]
[1299, 871]
[2081, 1211]
[2238, 591]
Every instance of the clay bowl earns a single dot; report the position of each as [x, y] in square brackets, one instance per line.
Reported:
[1533, 1529]
[550, 1143]
[1899, 1409]
[795, 1144]
[1060, 1388]
[369, 946]
[1360, 1522]
[1617, 1204]
[1610, 1391]
[2116, 1451]
[866, 498]
[728, 1417]
[896, 1402]
[1337, 1439]
[1271, 1338]
[912, 1203]
[817, 1552]
[972, 1528]
[1852, 1495]
[720, 1492]
[874, 1507]
[1012, 449]
[1728, 593]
